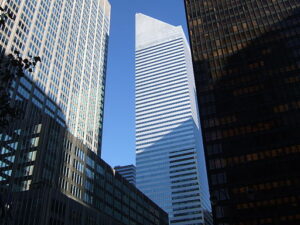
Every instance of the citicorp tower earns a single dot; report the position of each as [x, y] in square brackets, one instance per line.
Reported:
[169, 153]
[71, 37]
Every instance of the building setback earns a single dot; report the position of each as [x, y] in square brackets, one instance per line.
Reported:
[246, 62]
[128, 172]
[169, 154]
[71, 37]
[48, 176]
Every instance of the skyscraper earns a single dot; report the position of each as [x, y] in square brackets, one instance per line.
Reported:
[128, 172]
[71, 38]
[246, 62]
[169, 155]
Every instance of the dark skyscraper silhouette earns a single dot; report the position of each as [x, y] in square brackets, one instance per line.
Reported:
[246, 56]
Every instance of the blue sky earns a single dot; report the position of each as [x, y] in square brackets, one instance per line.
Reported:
[118, 146]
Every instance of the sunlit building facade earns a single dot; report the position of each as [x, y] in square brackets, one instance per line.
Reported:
[246, 56]
[169, 154]
[71, 37]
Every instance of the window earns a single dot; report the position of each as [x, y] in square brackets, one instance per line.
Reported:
[90, 162]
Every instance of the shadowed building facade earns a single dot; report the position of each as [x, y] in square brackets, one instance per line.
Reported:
[169, 153]
[50, 177]
[247, 71]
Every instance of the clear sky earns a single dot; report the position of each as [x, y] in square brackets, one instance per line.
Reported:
[118, 146]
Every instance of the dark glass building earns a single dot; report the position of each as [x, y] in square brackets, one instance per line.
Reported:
[246, 56]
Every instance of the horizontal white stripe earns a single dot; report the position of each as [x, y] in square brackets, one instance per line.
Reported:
[171, 55]
[139, 56]
[165, 105]
[139, 126]
[161, 117]
[162, 94]
[171, 109]
[171, 61]
[167, 129]
[152, 127]
[143, 83]
[160, 71]
[159, 88]
[154, 85]
[169, 136]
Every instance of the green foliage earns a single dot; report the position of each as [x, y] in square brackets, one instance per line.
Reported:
[12, 67]
[4, 15]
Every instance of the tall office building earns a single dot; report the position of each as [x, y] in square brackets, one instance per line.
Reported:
[50, 177]
[246, 56]
[71, 38]
[169, 154]
[128, 172]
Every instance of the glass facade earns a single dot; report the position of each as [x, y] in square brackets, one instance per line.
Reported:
[38, 154]
[89, 179]
[71, 37]
[24, 138]
[50, 207]
[246, 56]
[169, 154]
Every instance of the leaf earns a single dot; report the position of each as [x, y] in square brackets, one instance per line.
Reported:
[2, 23]
[37, 58]
[12, 16]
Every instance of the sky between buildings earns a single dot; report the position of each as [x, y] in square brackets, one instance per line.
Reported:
[118, 146]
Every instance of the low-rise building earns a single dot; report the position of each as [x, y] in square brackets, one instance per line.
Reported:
[51, 177]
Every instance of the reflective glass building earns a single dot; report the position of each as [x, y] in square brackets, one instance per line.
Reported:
[169, 154]
[246, 56]
[71, 38]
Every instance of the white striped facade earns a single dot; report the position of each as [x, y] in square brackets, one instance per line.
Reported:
[169, 153]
